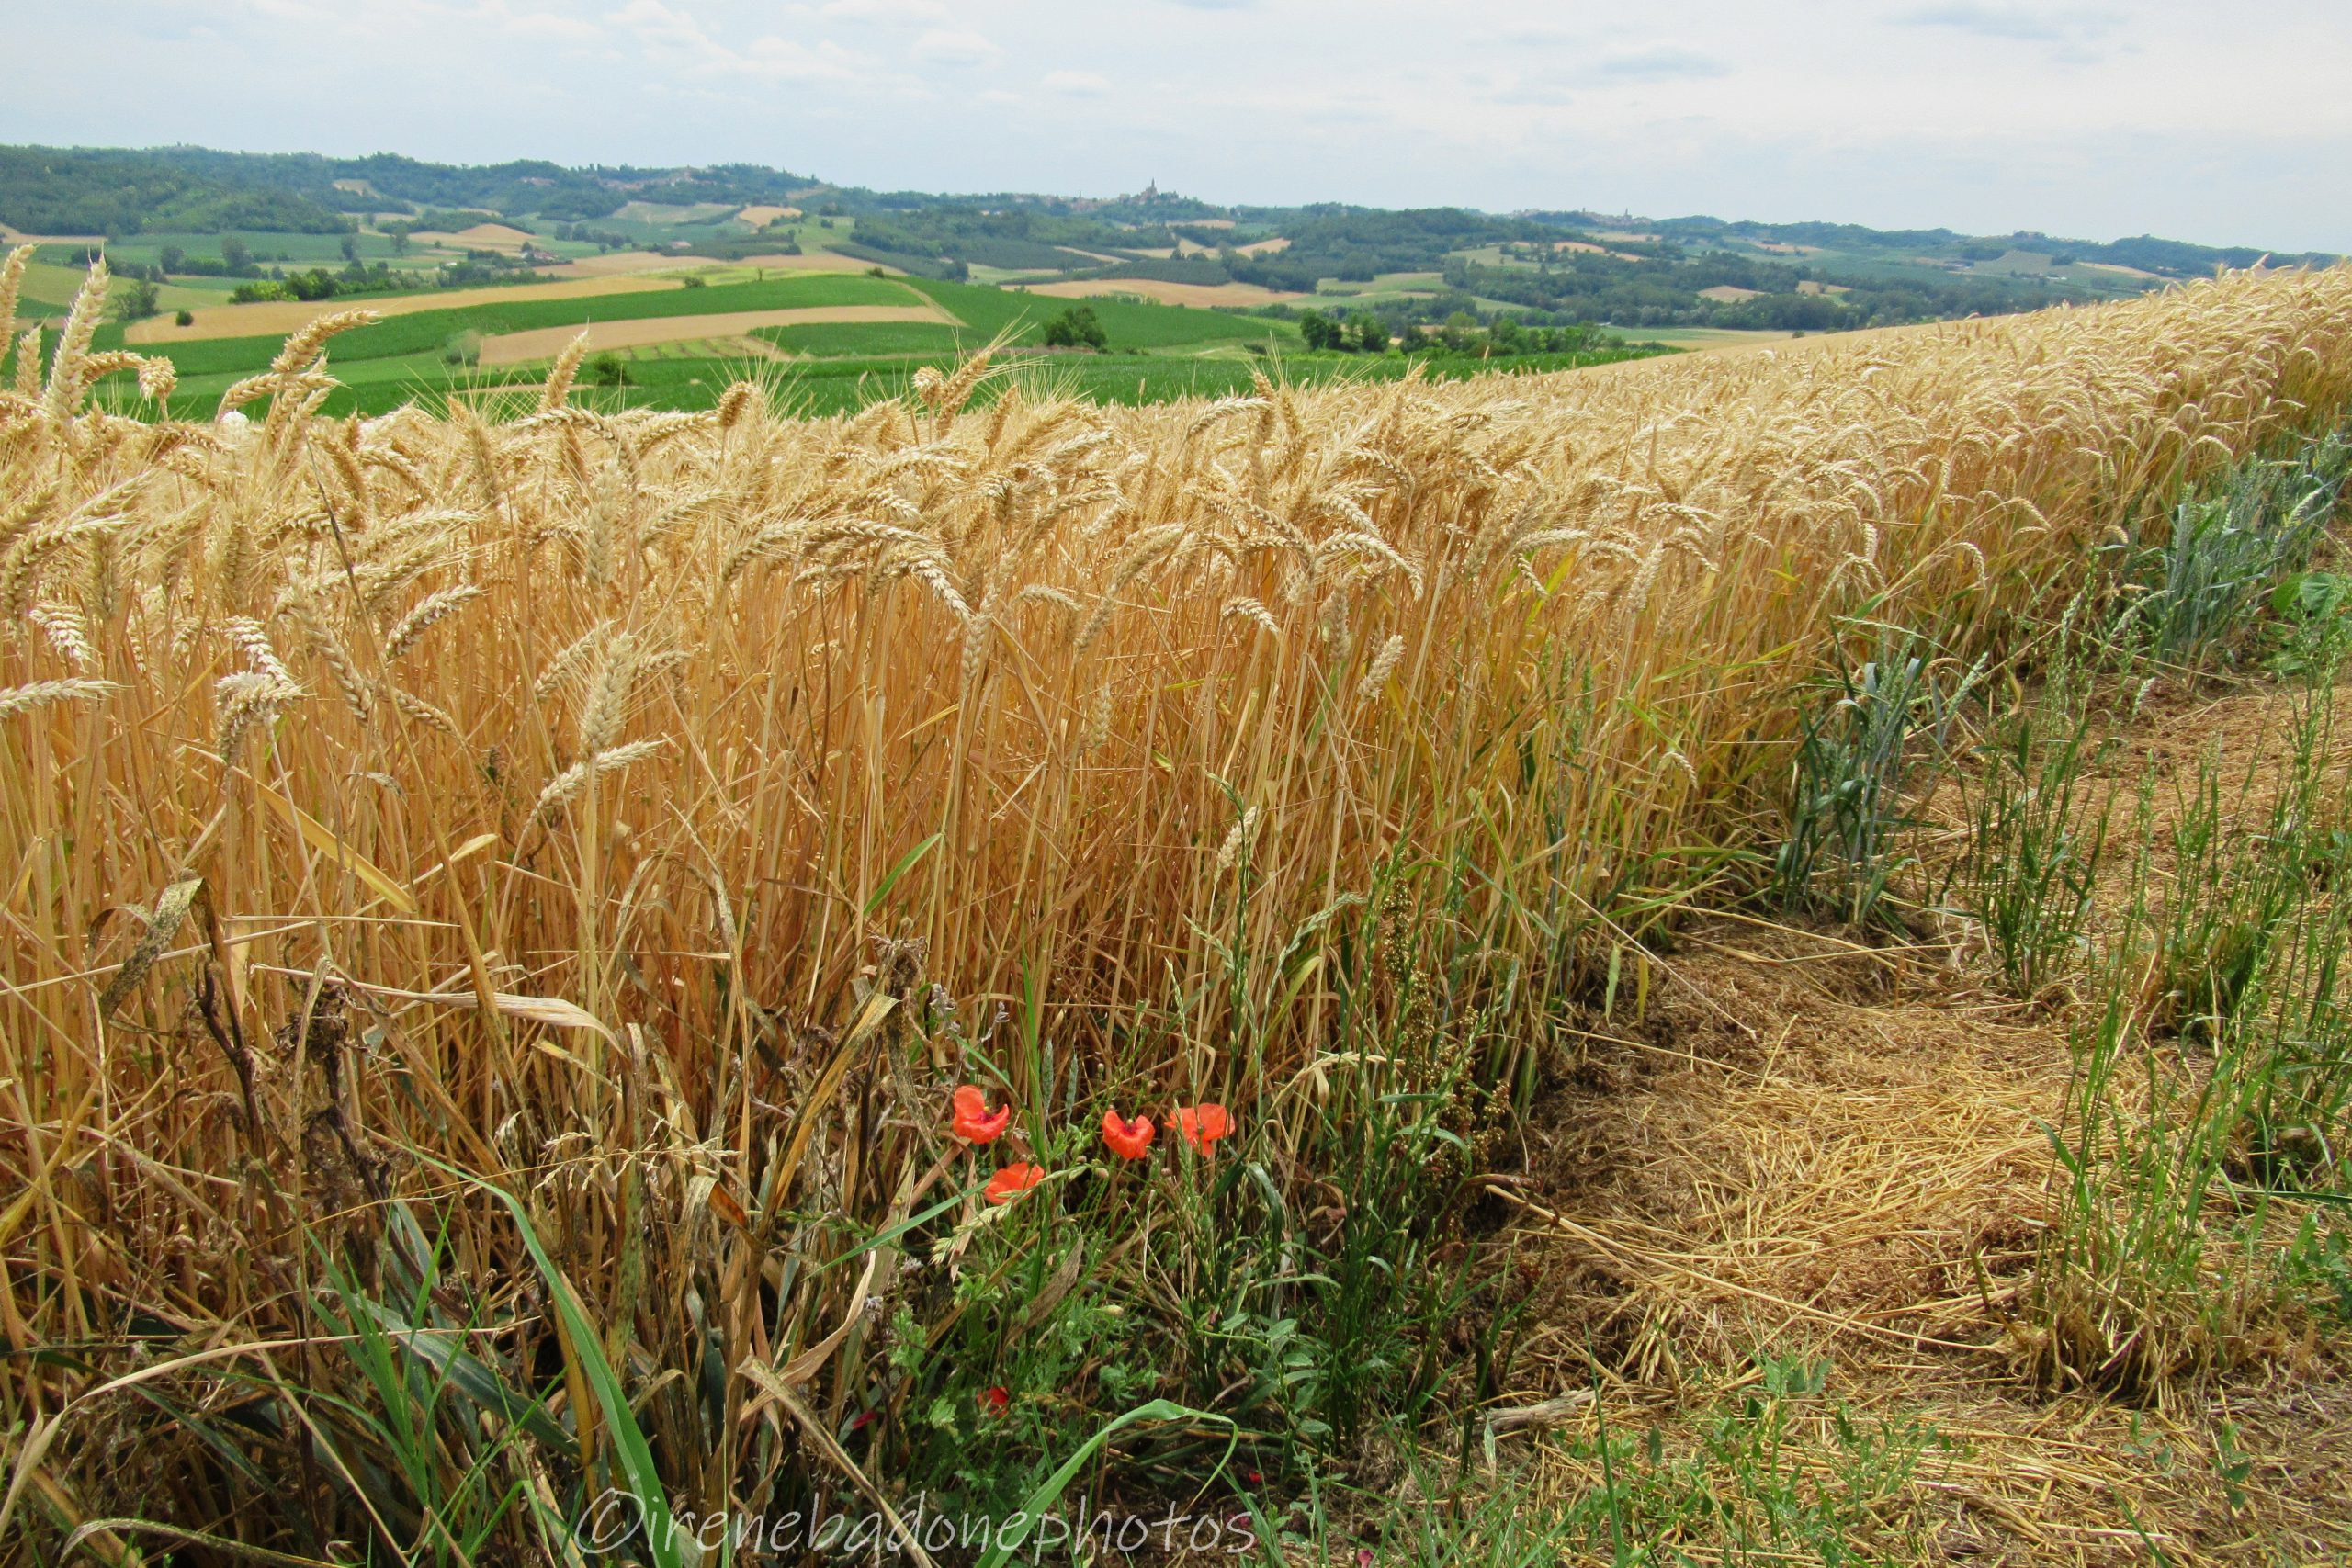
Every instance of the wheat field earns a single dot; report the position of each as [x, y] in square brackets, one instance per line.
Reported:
[655, 815]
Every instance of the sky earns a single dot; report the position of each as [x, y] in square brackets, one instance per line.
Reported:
[2180, 117]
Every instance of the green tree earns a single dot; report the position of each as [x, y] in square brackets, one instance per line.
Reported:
[351, 247]
[171, 258]
[236, 255]
[135, 301]
[315, 284]
[1372, 334]
[1320, 330]
[1076, 327]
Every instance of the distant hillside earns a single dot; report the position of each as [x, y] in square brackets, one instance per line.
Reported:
[47, 190]
[1392, 270]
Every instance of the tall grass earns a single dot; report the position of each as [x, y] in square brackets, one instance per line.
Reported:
[1864, 744]
[2036, 824]
[668, 810]
[2227, 549]
[2200, 1185]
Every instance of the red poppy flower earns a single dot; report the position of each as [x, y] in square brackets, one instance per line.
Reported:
[973, 1122]
[995, 1401]
[1012, 1182]
[1203, 1125]
[1128, 1140]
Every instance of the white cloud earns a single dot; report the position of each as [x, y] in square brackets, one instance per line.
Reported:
[661, 26]
[550, 25]
[783, 60]
[945, 46]
[2069, 34]
[289, 11]
[903, 12]
[2002, 19]
[2091, 117]
[1661, 63]
[665, 30]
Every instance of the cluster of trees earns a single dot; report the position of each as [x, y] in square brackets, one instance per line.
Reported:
[1355, 246]
[1076, 327]
[1647, 293]
[582, 234]
[2169, 258]
[46, 190]
[235, 260]
[318, 283]
[552, 191]
[1362, 333]
[1461, 332]
[134, 299]
[196, 189]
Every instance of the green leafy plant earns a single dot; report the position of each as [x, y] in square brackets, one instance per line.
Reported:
[2226, 550]
[2315, 612]
[2037, 830]
[1877, 732]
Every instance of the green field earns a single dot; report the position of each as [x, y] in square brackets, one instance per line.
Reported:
[1156, 352]
[1707, 337]
[819, 387]
[985, 313]
[1128, 324]
[838, 340]
[841, 364]
[268, 249]
[428, 331]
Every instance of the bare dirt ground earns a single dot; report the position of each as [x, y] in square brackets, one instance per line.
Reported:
[12, 238]
[480, 237]
[517, 348]
[1825, 1148]
[275, 318]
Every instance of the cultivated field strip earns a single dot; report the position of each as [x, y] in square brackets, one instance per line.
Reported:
[547, 342]
[262, 318]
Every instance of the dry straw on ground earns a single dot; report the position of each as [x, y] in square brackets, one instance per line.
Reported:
[593, 750]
